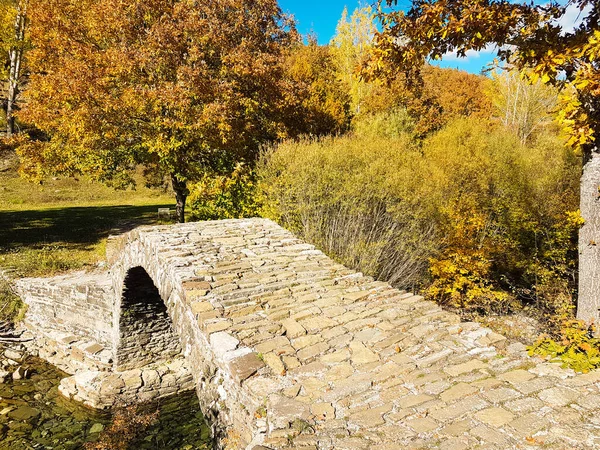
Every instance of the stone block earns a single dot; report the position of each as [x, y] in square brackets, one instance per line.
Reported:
[275, 363]
[500, 395]
[466, 367]
[457, 391]
[361, 354]
[468, 406]
[215, 326]
[422, 424]
[245, 366]
[516, 376]
[322, 411]
[222, 342]
[559, 396]
[305, 341]
[312, 352]
[496, 417]
[201, 307]
[94, 349]
[283, 411]
[272, 345]
[413, 400]
[529, 424]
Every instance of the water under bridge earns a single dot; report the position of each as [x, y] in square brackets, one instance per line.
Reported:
[288, 349]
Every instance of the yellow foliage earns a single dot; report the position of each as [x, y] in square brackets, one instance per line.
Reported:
[575, 345]
[230, 196]
[487, 222]
[508, 216]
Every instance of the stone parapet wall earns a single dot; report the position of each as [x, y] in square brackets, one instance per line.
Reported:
[80, 304]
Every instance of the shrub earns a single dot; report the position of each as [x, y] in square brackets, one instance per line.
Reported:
[224, 196]
[574, 346]
[388, 124]
[509, 217]
[355, 197]
[481, 220]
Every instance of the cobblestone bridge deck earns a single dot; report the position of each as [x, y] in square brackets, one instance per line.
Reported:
[289, 349]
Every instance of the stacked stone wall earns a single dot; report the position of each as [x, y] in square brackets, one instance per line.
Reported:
[103, 390]
[288, 349]
[224, 404]
[145, 332]
[80, 304]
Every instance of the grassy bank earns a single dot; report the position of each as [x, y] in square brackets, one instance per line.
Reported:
[62, 224]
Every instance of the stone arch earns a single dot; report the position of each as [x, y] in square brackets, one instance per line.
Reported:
[145, 330]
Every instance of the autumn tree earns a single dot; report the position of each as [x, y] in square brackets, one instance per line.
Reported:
[180, 87]
[317, 102]
[522, 107]
[531, 38]
[13, 44]
[350, 47]
[441, 96]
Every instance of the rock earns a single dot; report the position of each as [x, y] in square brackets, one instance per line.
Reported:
[4, 376]
[96, 428]
[245, 366]
[292, 328]
[150, 377]
[132, 379]
[222, 343]
[24, 413]
[361, 354]
[19, 373]
[282, 411]
[14, 355]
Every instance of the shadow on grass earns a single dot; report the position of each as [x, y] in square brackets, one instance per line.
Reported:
[77, 227]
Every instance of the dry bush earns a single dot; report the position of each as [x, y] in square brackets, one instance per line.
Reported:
[483, 221]
[127, 425]
[356, 198]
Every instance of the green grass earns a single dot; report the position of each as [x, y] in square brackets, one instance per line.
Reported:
[63, 224]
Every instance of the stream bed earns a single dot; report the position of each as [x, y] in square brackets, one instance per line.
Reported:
[33, 415]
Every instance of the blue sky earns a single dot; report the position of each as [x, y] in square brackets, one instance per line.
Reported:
[318, 16]
[321, 17]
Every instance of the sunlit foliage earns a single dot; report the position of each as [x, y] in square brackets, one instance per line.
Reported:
[317, 102]
[179, 86]
[527, 35]
[481, 221]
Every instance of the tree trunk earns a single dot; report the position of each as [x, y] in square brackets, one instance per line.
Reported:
[181, 193]
[14, 74]
[588, 302]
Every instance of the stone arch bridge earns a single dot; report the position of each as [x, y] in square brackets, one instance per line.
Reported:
[288, 349]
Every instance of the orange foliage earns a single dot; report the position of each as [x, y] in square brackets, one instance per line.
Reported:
[438, 97]
[177, 85]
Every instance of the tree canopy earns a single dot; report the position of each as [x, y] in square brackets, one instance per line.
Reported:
[533, 39]
[528, 36]
[178, 86]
